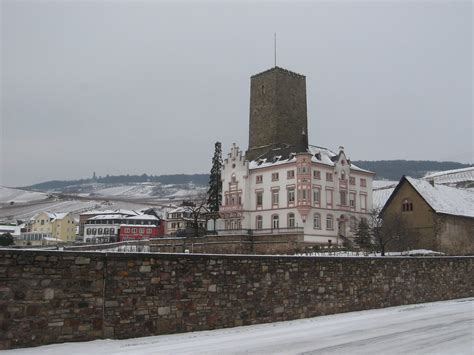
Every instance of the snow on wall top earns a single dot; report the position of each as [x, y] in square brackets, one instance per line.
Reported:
[445, 199]
[452, 176]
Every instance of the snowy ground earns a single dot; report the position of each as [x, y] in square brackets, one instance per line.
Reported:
[8, 194]
[430, 328]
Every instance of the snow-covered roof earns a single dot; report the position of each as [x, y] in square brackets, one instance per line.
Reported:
[181, 209]
[381, 192]
[111, 212]
[106, 216]
[383, 184]
[452, 176]
[13, 230]
[145, 217]
[138, 225]
[319, 155]
[57, 215]
[445, 199]
[380, 197]
[52, 215]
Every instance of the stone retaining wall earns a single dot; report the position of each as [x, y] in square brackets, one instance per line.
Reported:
[232, 244]
[49, 297]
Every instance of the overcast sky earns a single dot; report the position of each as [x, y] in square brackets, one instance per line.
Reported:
[148, 87]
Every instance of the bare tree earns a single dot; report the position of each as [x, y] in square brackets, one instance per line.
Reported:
[389, 231]
[198, 213]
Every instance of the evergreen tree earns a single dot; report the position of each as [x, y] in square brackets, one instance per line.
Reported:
[6, 239]
[363, 236]
[215, 182]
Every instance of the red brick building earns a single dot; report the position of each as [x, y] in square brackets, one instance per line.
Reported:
[141, 227]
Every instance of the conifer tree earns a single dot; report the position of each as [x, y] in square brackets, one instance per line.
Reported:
[363, 236]
[215, 183]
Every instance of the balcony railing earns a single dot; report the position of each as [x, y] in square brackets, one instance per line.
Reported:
[265, 231]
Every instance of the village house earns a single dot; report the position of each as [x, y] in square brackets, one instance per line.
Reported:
[440, 217]
[141, 227]
[180, 219]
[108, 228]
[85, 216]
[60, 226]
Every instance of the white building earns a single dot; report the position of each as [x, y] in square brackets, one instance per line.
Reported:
[102, 228]
[181, 218]
[319, 193]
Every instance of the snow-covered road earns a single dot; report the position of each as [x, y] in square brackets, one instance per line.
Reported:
[430, 328]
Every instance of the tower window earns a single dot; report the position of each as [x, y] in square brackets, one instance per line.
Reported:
[263, 89]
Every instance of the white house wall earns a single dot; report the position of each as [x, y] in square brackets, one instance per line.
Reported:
[237, 176]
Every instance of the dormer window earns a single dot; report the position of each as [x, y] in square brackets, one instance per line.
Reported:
[343, 175]
[407, 205]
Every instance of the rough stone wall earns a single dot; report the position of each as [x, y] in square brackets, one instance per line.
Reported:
[234, 244]
[48, 297]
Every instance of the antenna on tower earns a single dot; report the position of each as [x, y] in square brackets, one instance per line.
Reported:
[275, 47]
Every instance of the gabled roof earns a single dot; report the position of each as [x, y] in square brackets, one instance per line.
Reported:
[51, 215]
[284, 154]
[452, 177]
[442, 199]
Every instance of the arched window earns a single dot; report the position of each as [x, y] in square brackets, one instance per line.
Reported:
[317, 221]
[275, 221]
[233, 178]
[329, 222]
[259, 222]
[407, 205]
[291, 220]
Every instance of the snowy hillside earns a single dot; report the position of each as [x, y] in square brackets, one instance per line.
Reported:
[75, 207]
[8, 195]
[138, 190]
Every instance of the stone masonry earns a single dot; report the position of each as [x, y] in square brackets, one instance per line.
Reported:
[52, 296]
[278, 113]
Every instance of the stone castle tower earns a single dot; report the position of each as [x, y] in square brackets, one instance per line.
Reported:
[278, 115]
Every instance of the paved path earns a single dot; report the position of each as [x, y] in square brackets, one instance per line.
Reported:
[431, 328]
